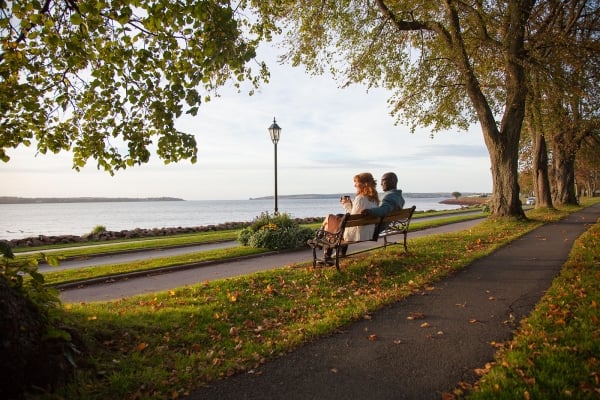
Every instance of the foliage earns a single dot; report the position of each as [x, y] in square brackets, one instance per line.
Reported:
[275, 233]
[108, 79]
[555, 352]
[15, 271]
[456, 195]
[98, 229]
[447, 63]
[37, 350]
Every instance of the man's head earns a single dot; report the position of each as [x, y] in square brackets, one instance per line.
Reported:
[389, 181]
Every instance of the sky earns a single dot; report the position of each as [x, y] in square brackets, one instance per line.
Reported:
[328, 135]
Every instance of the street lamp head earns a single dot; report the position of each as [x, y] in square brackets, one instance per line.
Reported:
[274, 131]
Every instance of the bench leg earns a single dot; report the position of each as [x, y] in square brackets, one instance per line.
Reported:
[314, 257]
[405, 246]
[337, 258]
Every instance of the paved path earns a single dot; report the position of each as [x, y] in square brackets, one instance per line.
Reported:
[209, 271]
[411, 362]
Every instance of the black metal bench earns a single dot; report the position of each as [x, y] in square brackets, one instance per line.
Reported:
[395, 223]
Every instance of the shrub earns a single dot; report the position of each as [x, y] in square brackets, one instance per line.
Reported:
[274, 232]
[37, 350]
[98, 229]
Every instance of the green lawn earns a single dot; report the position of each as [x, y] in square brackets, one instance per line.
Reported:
[80, 274]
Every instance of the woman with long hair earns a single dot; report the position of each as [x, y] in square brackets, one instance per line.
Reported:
[366, 197]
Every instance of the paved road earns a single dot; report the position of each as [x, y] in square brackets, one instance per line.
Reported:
[218, 270]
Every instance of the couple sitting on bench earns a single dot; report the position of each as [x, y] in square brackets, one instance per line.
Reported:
[366, 202]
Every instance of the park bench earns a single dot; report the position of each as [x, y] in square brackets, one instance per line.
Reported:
[395, 223]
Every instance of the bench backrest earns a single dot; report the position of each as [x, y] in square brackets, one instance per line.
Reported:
[398, 215]
[397, 220]
[362, 220]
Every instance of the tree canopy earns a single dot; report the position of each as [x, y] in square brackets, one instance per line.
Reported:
[448, 63]
[107, 79]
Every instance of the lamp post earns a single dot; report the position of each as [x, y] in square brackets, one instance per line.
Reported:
[275, 132]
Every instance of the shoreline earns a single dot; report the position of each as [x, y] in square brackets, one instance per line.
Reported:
[467, 201]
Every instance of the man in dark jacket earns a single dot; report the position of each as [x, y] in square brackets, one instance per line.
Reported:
[392, 197]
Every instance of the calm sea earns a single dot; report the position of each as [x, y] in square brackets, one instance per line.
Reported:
[26, 220]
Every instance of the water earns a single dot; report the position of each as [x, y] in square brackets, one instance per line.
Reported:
[18, 221]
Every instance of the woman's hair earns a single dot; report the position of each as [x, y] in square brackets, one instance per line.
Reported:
[368, 186]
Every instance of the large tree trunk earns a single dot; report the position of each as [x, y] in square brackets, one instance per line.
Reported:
[504, 160]
[503, 142]
[540, 177]
[563, 166]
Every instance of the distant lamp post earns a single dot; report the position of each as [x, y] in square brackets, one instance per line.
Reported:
[275, 132]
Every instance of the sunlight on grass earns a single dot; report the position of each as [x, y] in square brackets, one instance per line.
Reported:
[556, 351]
[192, 335]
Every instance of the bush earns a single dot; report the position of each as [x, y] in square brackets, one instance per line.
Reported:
[275, 232]
[98, 229]
[37, 351]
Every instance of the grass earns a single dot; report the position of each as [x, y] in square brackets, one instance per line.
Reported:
[75, 275]
[169, 343]
[97, 248]
[144, 265]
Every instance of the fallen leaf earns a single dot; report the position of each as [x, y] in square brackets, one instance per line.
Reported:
[372, 337]
[142, 346]
[415, 315]
[334, 370]
[425, 325]
[473, 321]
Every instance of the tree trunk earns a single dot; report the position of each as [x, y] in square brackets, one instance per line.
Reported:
[540, 177]
[563, 166]
[503, 142]
[505, 197]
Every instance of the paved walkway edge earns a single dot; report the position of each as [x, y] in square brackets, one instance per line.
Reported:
[465, 314]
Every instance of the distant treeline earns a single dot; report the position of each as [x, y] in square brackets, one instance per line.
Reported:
[38, 200]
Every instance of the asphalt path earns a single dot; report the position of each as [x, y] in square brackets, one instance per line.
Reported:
[389, 355]
[113, 289]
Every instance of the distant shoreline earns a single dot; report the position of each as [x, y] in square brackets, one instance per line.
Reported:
[465, 200]
[40, 200]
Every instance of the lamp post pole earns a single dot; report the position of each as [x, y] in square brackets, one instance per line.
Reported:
[275, 132]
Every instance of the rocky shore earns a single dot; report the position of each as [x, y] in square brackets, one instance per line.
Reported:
[43, 240]
[467, 201]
